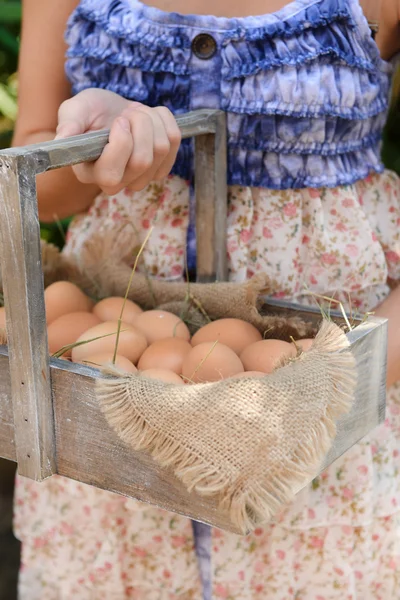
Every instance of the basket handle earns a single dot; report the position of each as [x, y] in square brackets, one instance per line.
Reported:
[22, 266]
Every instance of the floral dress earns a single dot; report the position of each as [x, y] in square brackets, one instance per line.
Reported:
[340, 539]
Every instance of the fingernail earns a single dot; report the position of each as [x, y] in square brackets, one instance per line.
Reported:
[124, 124]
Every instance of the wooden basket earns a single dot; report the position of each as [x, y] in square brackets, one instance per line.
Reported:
[50, 421]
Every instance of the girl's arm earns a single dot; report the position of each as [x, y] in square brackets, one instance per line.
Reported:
[42, 88]
[143, 141]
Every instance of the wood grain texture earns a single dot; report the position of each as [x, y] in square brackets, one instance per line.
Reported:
[25, 314]
[89, 451]
[211, 205]
[7, 441]
[76, 149]
[23, 278]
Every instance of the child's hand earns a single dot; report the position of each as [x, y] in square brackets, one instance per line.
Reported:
[142, 146]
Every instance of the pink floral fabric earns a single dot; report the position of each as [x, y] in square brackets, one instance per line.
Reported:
[340, 539]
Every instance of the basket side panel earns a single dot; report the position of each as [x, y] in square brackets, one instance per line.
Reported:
[7, 443]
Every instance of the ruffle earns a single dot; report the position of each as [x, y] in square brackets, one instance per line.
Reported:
[153, 89]
[254, 168]
[308, 90]
[305, 90]
[242, 58]
[118, 19]
[284, 134]
[318, 14]
[282, 171]
[147, 48]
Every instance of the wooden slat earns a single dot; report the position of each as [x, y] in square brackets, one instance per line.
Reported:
[89, 451]
[87, 147]
[25, 318]
[21, 259]
[7, 443]
[211, 205]
[369, 346]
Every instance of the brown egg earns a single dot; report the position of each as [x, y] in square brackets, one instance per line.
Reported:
[109, 309]
[64, 297]
[2, 317]
[234, 333]
[104, 359]
[166, 354]
[248, 374]
[160, 324]
[265, 355]
[163, 375]
[131, 344]
[68, 328]
[304, 344]
[210, 362]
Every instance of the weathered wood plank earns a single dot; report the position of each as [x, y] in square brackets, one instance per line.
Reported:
[211, 205]
[369, 346]
[80, 148]
[89, 451]
[7, 442]
[25, 318]
[21, 258]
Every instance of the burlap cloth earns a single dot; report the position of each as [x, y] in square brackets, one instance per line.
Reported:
[251, 442]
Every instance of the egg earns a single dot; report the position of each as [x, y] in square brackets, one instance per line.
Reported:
[210, 362]
[248, 374]
[106, 359]
[163, 375]
[131, 344]
[62, 298]
[2, 317]
[166, 354]
[160, 324]
[234, 333]
[109, 309]
[304, 345]
[68, 328]
[264, 356]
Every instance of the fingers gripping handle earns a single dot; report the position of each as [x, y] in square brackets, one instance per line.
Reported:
[34, 431]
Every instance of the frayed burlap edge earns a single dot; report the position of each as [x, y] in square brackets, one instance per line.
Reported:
[249, 503]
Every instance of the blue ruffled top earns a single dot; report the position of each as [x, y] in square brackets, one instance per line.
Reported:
[305, 89]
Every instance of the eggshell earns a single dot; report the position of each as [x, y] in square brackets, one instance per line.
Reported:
[160, 324]
[163, 375]
[68, 328]
[132, 342]
[305, 344]
[166, 354]
[265, 355]
[109, 309]
[106, 359]
[210, 362]
[234, 333]
[2, 317]
[64, 297]
[248, 374]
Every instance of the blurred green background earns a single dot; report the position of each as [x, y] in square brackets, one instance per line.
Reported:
[10, 19]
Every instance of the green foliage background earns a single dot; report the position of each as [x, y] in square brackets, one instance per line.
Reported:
[10, 20]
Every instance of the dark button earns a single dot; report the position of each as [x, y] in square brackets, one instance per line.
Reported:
[204, 46]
